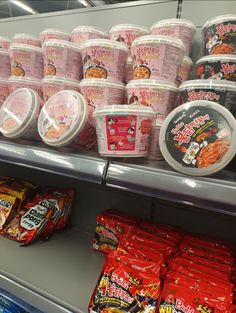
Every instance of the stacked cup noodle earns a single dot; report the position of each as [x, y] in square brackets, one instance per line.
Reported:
[4, 68]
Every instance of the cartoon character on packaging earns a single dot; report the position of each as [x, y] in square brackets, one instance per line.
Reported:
[112, 146]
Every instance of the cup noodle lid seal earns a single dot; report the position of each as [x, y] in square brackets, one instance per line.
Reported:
[62, 117]
[174, 22]
[104, 43]
[152, 83]
[115, 109]
[59, 80]
[219, 19]
[154, 39]
[25, 80]
[217, 57]
[53, 31]
[17, 112]
[21, 46]
[85, 28]
[61, 44]
[128, 27]
[99, 82]
[208, 83]
[186, 151]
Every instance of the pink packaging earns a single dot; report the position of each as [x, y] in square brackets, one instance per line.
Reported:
[26, 39]
[4, 42]
[26, 61]
[124, 131]
[178, 28]
[128, 70]
[156, 57]
[184, 70]
[5, 66]
[54, 84]
[64, 121]
[103, 58]
[4, 91]
[62, 59]
[15, 82]
[154, 152]
[161, 96]
[127, 33]
[51, 33]
[101, 92]
[81, 34]
[19, 113]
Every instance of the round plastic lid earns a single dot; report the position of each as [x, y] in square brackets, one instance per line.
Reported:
[53, 30]
[22, 46]
[219, 19]
[85, 28]
[208, 83]
[17, 112]
[60, 80]
[4, 51]
[104, 43]
[198, 138]
[98, 82]
[124, 109]
[3, 81]
[61, 44]
[153, 83]
[5, 38]
[24, 35]
[26, 80]
[217, 57]
[159, 39]
[62, 117]
[187, 60]
[128, 27]
[174, 22]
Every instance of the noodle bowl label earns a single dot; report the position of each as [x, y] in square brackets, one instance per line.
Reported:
[217, 70]
[198, 137]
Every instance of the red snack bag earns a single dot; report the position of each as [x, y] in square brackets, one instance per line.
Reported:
[8, 206]
[30, 222]
[122, 288]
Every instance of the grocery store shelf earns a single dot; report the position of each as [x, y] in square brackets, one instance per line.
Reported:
[57, 276]
[157, 179]
[84, 167]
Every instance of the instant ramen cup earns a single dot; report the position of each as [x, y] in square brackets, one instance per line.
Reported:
[51, 33]
[15, 82]
[101, 92]
[5, 66]
[54, 84]
[128, 70]
[63, 59]
[161, 96]
[4, 42]
[220, 91]
[198, 138]
[219, 35]
[124, 131]
[127, 33]
[178, 28]
[26, 61]
[156, 57]
[103, 58]
[184, 70]
[4, 91]
[154, 152]
[26, 39]
[63, 121]
[217, 67]
[81, 34]
[19, 113]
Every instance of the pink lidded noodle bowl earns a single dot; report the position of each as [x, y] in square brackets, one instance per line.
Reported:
[156, 57]
[81, 34]
[62, 59]
[178, 28]
[103, 58]
[184, 70]
[5, 67]
[124, 131]
[26, 39]
[127, 33]
[26, 61]
[161, 96]
[54, 84]
[63, 121]
[154, 152]
[4, 91]
[4, 42]
[51, 33]
[15, 82]
[19, 113]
